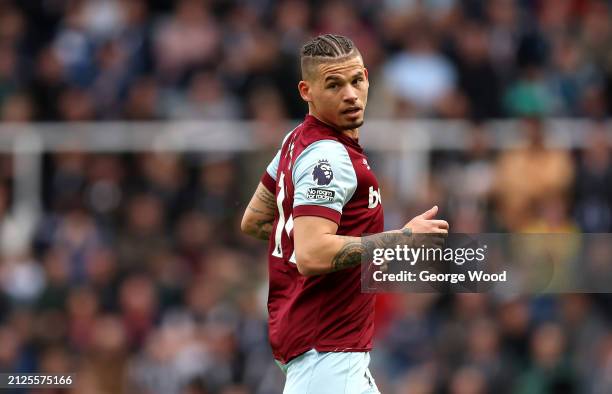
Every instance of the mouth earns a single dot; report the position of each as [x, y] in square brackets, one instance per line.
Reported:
[351, 111]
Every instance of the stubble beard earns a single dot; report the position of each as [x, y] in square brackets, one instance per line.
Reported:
[352, 126]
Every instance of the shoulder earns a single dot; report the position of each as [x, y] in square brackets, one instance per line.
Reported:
[329, 149]
[324, 160]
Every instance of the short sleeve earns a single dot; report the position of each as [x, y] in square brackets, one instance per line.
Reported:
[324, 180]
[268, 178]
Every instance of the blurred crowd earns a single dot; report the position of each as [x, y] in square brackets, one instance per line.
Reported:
[137, 278]
[77, 60]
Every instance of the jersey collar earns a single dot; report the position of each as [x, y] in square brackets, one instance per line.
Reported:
[345, 139]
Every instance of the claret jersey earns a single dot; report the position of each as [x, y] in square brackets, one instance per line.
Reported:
[319, 172]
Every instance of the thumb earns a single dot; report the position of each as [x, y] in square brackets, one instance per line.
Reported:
[431, 213]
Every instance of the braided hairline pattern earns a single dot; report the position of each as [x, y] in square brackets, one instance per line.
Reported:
[329, 46]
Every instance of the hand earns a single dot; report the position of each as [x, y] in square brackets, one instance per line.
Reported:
[426, 224]
[426, 230]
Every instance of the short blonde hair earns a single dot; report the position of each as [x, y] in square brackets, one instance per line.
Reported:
[323, 49]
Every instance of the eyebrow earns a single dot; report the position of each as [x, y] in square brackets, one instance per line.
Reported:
[337, 78]
[332, 78]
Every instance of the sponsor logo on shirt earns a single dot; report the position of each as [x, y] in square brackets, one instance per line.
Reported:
[322, 173]
[317, 194]
[374, 197]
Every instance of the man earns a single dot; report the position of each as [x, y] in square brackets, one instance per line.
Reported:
[314, 202]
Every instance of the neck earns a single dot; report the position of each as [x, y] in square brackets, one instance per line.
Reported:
[353, 133]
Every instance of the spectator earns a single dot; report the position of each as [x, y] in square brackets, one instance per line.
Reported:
[476, 75]
[206, 98]
[142, 237]
[594, 184]
[188, 39]
[17, 108]
[571, 79]
[549, 372]
[533, 173]
[143, 100]
[420, 77]
[8, 69]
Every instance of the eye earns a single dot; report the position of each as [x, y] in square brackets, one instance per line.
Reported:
[332, 86]
[357, 80]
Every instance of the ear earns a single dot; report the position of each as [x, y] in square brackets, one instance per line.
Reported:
[304, 89]
[365, 73]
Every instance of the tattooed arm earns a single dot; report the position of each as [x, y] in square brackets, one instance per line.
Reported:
[319, 250]
[259, 215]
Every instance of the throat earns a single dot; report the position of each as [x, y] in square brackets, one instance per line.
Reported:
[353, 133]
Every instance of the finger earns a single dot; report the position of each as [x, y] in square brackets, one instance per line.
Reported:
[431, 213]
[439, 223]
[439, 231]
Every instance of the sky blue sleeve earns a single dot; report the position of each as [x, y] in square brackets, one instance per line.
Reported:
[323, 175]
[273, 166]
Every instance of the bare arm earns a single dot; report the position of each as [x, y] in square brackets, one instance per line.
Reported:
[319, 250]
[259, 215]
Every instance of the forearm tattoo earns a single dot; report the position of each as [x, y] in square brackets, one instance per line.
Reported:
[260, 212]
[348, 256]
[266, 197]
[356, 249]
[262, 228]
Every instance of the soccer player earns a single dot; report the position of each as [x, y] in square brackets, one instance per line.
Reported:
[316, 199]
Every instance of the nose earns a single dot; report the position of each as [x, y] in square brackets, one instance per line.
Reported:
[350, 94]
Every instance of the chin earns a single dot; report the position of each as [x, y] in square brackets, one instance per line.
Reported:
[352, 125]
